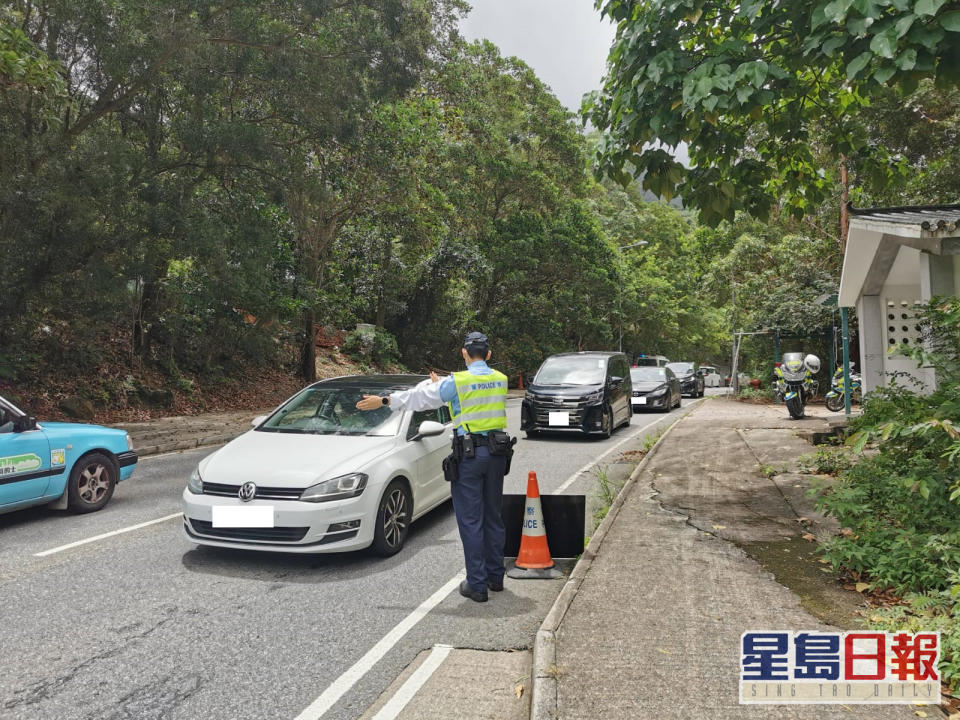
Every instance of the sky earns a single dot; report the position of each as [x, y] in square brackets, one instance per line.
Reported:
[564, 41]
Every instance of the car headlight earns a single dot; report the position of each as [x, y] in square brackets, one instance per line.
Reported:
[129, 442]
[659, 391]
[338, 488]
[195, 483]
[594, 397]
[528, 395]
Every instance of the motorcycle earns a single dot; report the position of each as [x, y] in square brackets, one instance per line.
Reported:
[795, 384]
[834, 399]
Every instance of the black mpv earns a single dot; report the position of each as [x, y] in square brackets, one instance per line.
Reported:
[584, 392]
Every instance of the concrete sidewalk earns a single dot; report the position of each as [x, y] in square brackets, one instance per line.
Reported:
[649, 624]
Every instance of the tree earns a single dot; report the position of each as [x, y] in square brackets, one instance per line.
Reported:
[754, 88]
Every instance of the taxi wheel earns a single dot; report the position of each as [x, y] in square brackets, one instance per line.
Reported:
[393, 520]
[91, 484]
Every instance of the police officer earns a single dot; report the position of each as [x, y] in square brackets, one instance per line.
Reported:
[477, 398]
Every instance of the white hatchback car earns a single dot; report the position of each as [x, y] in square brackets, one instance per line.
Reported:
[317, 475]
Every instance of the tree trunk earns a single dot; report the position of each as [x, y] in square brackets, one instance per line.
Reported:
[308, 354]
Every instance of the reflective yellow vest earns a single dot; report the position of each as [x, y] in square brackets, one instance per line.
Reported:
[483, 401]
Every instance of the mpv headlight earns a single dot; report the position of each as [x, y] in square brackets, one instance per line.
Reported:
[594, 397]
[659, 391]
[195, 483]
[129, 442]
[338, 488]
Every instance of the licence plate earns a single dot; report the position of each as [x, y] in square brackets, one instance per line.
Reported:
[639, 401]
[232, 516]
[559, 419]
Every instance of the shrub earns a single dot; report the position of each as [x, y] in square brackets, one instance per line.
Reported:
[375, 344]
[827, 461]
[900, 505]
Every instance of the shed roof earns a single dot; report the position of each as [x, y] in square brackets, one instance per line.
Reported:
[875, 238]
[926, 217]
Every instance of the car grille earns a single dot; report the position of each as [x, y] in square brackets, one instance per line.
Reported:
[263, 493]
[546, 405]
[274, 534]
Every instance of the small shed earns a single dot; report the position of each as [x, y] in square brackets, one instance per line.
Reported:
[897, 259]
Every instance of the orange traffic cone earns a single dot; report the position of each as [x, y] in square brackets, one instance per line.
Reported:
[533, 559]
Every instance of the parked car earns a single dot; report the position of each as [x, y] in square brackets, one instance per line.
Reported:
[642, 360]
[711, 378]
[319, 476]
[691, 380]
[69, 465]
[585, 392]
[655, 388]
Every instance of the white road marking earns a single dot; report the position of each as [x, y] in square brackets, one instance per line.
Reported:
[342, 684]
[412, 686]
[596, 461]
[95, 538]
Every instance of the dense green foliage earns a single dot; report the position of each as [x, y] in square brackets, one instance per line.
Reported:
[767, 95]
[194, 188]
[901, 503]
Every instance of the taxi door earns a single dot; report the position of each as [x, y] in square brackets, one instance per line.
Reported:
[24, 465]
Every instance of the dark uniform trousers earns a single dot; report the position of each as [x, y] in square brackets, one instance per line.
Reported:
[477, 497]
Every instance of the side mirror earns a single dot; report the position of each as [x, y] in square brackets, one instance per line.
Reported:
[25, 424]
[428, 428]
[258, 420]
[614, 380]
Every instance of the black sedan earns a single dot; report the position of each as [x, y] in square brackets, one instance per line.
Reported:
[691, 379]
[655, 388]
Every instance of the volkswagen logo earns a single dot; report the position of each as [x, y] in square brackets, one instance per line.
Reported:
[248, 491]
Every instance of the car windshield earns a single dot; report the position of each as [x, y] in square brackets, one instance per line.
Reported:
[332, 411]
[572, 370]
[640, 374]
[681, 368]
[646, 362]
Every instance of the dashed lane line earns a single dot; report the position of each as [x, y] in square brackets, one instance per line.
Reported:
[97, 538]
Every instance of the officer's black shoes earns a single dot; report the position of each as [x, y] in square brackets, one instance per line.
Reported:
[469, 592]
[495, 585]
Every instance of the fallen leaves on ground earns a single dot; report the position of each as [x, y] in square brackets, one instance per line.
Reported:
[518, 691]
[809, 537]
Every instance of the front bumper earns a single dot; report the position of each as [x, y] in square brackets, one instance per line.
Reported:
[654, 402]
[126, 461]
[299, 527]
[689, 387]
[584, 418]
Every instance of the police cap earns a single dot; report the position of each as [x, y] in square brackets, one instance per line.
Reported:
[476, 342]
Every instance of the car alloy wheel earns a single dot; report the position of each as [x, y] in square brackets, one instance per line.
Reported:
[91, 484]
[393, 519]
[606, 423]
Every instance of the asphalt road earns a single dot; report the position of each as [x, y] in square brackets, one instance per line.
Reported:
[144, 625]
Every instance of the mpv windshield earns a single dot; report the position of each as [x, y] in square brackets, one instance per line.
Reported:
[641, 374]
[332, 411]
[572, 370]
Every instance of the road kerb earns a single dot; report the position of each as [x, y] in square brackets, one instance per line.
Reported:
[543, 692]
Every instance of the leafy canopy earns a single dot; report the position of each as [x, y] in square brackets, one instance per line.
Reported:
[754, 87]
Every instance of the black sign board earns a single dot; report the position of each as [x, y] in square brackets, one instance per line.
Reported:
[563, 515]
